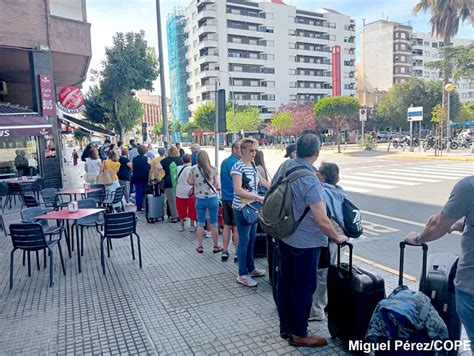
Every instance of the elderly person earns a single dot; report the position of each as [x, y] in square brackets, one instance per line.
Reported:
[195, 148]
[173, 158]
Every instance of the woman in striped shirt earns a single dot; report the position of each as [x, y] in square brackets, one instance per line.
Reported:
[246, 180]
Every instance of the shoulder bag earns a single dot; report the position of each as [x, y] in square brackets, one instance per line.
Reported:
[105, 176]
[250, 211]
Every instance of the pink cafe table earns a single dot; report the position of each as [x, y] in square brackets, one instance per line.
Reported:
[65, 215]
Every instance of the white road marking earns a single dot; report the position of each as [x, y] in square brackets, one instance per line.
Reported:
[405, 221]
[400, 177]
[421, 174]
[381, 180]
[364, 184]
[435, 171]
[348, 188]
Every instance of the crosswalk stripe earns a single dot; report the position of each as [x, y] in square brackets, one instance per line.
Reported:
[436, 171]
[383, 174]
[470, 166]
[421, 174]
[371, 185]
[446, 169]
[405, 173]
[381, 180]
[355, 190]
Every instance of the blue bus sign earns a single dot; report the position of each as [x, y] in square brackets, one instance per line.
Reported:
[415, 113]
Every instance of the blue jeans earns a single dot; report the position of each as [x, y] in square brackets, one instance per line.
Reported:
[247, 235]
[465, 309]
[211, 204]
[295, 288]
[139, 196]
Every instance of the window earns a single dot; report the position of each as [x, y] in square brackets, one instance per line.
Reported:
[471, 95]
[269, 84]
[427, 74]
[426, 43]
[434, 45]
[434, 75]
[403, 35]
[291, 32]
[238, 82]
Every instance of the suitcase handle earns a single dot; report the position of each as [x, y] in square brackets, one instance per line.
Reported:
[402, 261]
[350, 255]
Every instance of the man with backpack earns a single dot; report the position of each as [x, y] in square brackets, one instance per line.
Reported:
[457, 215]
[299, 252]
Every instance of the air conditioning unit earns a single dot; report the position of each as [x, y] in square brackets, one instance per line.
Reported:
[3, 88]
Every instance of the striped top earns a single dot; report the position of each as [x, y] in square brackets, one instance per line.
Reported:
[250, 177]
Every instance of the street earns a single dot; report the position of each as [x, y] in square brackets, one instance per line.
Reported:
[396, 196]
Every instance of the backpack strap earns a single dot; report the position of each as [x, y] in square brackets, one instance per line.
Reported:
[294, 174]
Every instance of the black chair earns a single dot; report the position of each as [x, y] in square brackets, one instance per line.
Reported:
[30, 201]
[116, 198]
[116, 226]
[99, 195]
[30, 237]
[51, 199]
[95, 220]
[14, 190]
[3, 194]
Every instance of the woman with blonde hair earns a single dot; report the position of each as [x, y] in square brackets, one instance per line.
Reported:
[205, 180]
[113, 165]
[170, 165]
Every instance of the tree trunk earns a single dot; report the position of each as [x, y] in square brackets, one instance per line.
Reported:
[446, 79]
[338, 140]
[119, 122]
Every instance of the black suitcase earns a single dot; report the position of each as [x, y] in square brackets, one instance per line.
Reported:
[353, 294]
[439, 287]
[271, 244]
[260, 246]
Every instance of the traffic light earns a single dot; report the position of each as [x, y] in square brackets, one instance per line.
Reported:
[144, 132]
[221, 111]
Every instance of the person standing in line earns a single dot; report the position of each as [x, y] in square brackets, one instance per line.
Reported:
[157, 173]
[227, 187]
[140, 175]
[86, 152]
[185, 198]
[181, 151]
[457, 215]
[299, 252]
[195, 148]
[92, 166]
[334, 195]
[246, 180]
[151, 153]
[112, 164]
[133, 149]
[262, 169]
[205, 180]
[125, 175]
[173, 158]
[290, 151]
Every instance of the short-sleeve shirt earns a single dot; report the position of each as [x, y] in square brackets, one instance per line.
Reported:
[125, 172]
[182, 186]
[165, 163]
[461, 204]
[250, 176]
[306, 191]
[202, 190]
[227, 187]
[113, 166]
[141, 170]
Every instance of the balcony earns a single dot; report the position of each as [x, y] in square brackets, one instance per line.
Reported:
[206, 14]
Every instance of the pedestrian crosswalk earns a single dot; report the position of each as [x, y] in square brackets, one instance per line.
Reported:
[365, 180]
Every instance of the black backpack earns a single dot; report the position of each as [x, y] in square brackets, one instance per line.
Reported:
[352, 219]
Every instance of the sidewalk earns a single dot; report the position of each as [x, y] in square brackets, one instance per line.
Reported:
[180, 303]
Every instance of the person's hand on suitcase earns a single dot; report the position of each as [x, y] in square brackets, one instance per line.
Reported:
[411, 238]
[341, 239]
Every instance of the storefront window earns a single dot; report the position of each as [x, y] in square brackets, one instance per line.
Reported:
[18, 156]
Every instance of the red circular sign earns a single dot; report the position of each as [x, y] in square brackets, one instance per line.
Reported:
[71, 97]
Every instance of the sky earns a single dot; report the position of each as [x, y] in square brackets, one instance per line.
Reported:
[108, 17]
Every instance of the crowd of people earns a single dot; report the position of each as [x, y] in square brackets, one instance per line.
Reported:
[196, 190]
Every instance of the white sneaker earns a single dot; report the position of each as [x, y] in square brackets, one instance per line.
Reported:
[181, 228]
[192, 229]
[208, 234]
[246, 281]
[258, 273]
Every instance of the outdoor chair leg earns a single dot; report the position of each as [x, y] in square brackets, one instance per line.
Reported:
[108, 247]
[62, 258]
[102, 258]
[24, 257]
[82, 240]
[139, 251]
[133, 250]
[37, 260]
[51, 267]
[44, 258]
[11, 268]
[29, 264]
[68, 242]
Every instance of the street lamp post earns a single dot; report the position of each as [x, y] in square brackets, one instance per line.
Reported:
[449, 88]
[234, 129]
[161, 58]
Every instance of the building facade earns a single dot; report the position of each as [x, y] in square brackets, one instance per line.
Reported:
[51, 39]
[152, 113]
[265, 53]
[391, 53]
[175, 26]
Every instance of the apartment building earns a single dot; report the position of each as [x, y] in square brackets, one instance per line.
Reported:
[175, 26]
[266, 53]
[392, 52]
[152, 113]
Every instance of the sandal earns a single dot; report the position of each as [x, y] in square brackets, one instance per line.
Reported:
[200, 249]
[217, 249]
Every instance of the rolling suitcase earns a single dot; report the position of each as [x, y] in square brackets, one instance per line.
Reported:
[260, 247]
[154, 208]
[439, 287]
[353, 294]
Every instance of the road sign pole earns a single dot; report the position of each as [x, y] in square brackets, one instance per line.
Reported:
[363, 135]
[411, 136]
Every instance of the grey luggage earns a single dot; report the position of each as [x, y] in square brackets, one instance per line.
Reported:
[154, 208]
[439, 287]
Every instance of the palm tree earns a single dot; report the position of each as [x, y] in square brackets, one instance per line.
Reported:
[446, 16]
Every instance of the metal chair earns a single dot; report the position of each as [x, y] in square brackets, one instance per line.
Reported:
[95, 220]
[30, 201]
[14, 190]
[98, 195]
[3, 194]
[49, 197]
[116, 198]
[116, 226]
[29, 215]
[30, 237]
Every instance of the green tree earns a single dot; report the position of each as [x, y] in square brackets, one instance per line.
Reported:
[466, 113]
[391, 112]
[337, 113]
[457, 60]
[129, 65]
[281, 124]
[247, 118]
[205, 116]
[96, 110]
